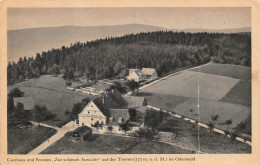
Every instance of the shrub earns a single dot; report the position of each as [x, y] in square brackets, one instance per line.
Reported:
[228, 122]
[68, 83]
[146, 133]
[214, 117]
[233, 135]
[110, 128]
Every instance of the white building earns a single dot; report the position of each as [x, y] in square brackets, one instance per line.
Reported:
[91, 114]
[149, 73]
[135, 74]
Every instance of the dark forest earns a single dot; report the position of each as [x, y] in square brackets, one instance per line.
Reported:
[112, 57]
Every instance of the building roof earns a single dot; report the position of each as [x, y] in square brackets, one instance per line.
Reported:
[99, 103]
[132, 70]
[142, 109]
[113, 100]
[138, 72]
[101, 86]
[119, 113]
[148, 71]
[26, 101]
[134, 102]
[135, 123]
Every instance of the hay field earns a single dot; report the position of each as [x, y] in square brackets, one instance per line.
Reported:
[51, 92]
[228, 70]
[226, 111]
[224, 90]
[212, 87]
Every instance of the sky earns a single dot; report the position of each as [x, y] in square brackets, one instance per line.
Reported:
[171, 18]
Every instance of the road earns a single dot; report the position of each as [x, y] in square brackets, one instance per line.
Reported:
[60, 133]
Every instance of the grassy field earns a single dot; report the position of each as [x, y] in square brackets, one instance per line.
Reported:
[109, 144]
[51, 92]
[234, 71]
[163, 101]
[21, 141]
[239, 94]
[186, 84]
[187, 133]
[226, 111]
[224, 90]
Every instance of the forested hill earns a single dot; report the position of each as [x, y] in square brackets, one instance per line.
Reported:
[111, 57]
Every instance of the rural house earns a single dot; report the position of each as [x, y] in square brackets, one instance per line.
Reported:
[135, 74]
[110, 109]
[145, 74]
[27, 102]
[149, 73]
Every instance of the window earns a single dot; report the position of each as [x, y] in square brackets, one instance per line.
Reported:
[91, 119]
[88, 111]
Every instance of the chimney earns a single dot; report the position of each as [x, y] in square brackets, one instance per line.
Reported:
[104, 99]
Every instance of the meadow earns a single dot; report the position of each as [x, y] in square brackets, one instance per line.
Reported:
[19, 143]
[109, 144]
[223, 90]
[187, 133]
[51, 91]
[228, 70]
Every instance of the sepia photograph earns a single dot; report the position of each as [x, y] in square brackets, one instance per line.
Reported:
[147, 80]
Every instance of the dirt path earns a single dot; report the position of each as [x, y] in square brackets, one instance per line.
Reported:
[60, 133]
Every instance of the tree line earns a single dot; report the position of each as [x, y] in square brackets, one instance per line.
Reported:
[113, 56]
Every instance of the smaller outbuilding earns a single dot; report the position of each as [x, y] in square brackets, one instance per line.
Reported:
[149, 73]
[80, 134]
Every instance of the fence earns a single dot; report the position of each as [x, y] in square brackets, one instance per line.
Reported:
[201, 125]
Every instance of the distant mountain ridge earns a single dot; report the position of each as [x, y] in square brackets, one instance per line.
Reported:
[27, 42]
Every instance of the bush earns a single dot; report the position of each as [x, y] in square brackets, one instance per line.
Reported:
[68, 83]
[62, 123]
[146, 133]
[215, 117]
[110, 128]
[228, 122]
[233, 135]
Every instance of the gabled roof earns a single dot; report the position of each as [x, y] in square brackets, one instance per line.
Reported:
[142, 109]
[119, 113]
[132, 70]
[148, 71]
[138, 72]
[112, 99]
[26, 101]
[101, 86]
[99, 103]
[134, 102]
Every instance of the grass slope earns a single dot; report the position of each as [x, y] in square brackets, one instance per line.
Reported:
[162, 100]
[109, 144]
[226, 111]
[51, 91]
[187, 133]
[234, 71]
[239, 94]
[21, 141]
[185, 84]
